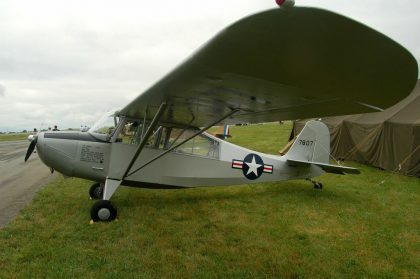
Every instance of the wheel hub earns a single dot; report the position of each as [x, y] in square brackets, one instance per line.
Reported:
[104, 213]
[98, 192]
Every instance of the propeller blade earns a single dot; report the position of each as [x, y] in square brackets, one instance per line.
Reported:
[30, 149]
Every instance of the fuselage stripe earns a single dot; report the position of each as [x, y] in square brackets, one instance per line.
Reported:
[268, 169]
[236, 164]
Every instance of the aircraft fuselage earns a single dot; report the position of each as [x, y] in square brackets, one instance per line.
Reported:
[82, 155]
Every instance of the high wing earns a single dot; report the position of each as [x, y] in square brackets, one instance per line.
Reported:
[279, 65]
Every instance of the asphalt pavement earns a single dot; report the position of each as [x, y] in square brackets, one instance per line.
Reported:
[19, 181]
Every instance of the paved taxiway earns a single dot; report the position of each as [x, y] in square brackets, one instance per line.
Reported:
[19, 181]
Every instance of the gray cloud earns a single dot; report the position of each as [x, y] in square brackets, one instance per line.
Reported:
[2, 90]
[66, 63]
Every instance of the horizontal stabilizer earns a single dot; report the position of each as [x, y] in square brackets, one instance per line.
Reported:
[327, 167]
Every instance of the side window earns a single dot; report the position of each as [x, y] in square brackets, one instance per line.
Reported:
[200, 145]
[165, 137]
[156, 138]
[130, 133]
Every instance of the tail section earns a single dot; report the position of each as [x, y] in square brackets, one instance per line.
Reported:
[312, 144]
[312, 147]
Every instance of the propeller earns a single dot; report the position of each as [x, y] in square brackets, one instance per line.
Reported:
[31, 148]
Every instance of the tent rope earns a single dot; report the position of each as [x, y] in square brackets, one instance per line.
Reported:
[407, 158]
[330, 154]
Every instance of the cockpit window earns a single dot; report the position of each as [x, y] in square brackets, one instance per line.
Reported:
[200, 145]
[131, 133]
[165, 137]
[106, 124]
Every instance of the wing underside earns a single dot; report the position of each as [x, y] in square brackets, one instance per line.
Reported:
[279, 65]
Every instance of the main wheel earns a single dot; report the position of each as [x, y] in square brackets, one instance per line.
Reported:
[96, 191]
[318, 185]
[103, 211]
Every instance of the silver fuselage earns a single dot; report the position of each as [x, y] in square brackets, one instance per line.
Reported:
[88, 156]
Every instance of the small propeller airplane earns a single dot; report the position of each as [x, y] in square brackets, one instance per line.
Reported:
[281, 64]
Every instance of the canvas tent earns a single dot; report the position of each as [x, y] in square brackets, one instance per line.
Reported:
[389, 140]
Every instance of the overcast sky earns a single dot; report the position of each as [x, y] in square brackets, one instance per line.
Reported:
[67, 62]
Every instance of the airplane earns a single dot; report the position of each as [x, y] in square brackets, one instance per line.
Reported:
[280, 64]
[223, 132]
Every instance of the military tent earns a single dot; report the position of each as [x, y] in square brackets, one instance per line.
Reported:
[389, 139]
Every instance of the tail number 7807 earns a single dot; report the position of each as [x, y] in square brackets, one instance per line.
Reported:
[306, 142]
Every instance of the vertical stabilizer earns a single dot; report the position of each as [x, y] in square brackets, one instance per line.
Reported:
[312, 144]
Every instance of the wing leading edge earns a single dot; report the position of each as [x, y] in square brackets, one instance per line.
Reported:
[278, 65]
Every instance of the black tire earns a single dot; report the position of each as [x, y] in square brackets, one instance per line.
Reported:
[103, 211]
[96, 191]
[318, 185]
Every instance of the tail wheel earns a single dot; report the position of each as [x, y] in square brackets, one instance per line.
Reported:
[318, 185]
[96, 191]
[103, 211]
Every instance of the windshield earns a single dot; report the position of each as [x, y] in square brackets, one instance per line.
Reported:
[106, 124]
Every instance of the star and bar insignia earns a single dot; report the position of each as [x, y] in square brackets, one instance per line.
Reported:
[252, 166]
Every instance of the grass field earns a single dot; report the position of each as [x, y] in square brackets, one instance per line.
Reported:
[11, 137]
[358, 226]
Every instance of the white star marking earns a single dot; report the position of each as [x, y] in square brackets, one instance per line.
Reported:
[253, 166]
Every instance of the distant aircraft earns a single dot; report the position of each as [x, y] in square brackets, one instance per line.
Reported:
[275, 65]
[223, 132]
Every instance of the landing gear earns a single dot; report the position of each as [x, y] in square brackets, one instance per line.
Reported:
[96, 191]
[317, 185]
[103, 211]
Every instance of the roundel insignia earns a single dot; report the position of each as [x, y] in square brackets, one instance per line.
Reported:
[253, 166]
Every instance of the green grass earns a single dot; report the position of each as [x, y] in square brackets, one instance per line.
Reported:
[11, 137]
[358, 226]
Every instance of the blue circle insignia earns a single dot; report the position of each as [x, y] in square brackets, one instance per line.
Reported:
[253, 166]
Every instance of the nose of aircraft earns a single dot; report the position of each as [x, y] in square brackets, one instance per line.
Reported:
[57, 150]
[31, 147]
[36, 141]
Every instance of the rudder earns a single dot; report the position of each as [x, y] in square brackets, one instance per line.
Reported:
[312, 144]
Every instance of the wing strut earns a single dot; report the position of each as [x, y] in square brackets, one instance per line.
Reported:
[144, 122]
[146, 136]
[184, 141]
